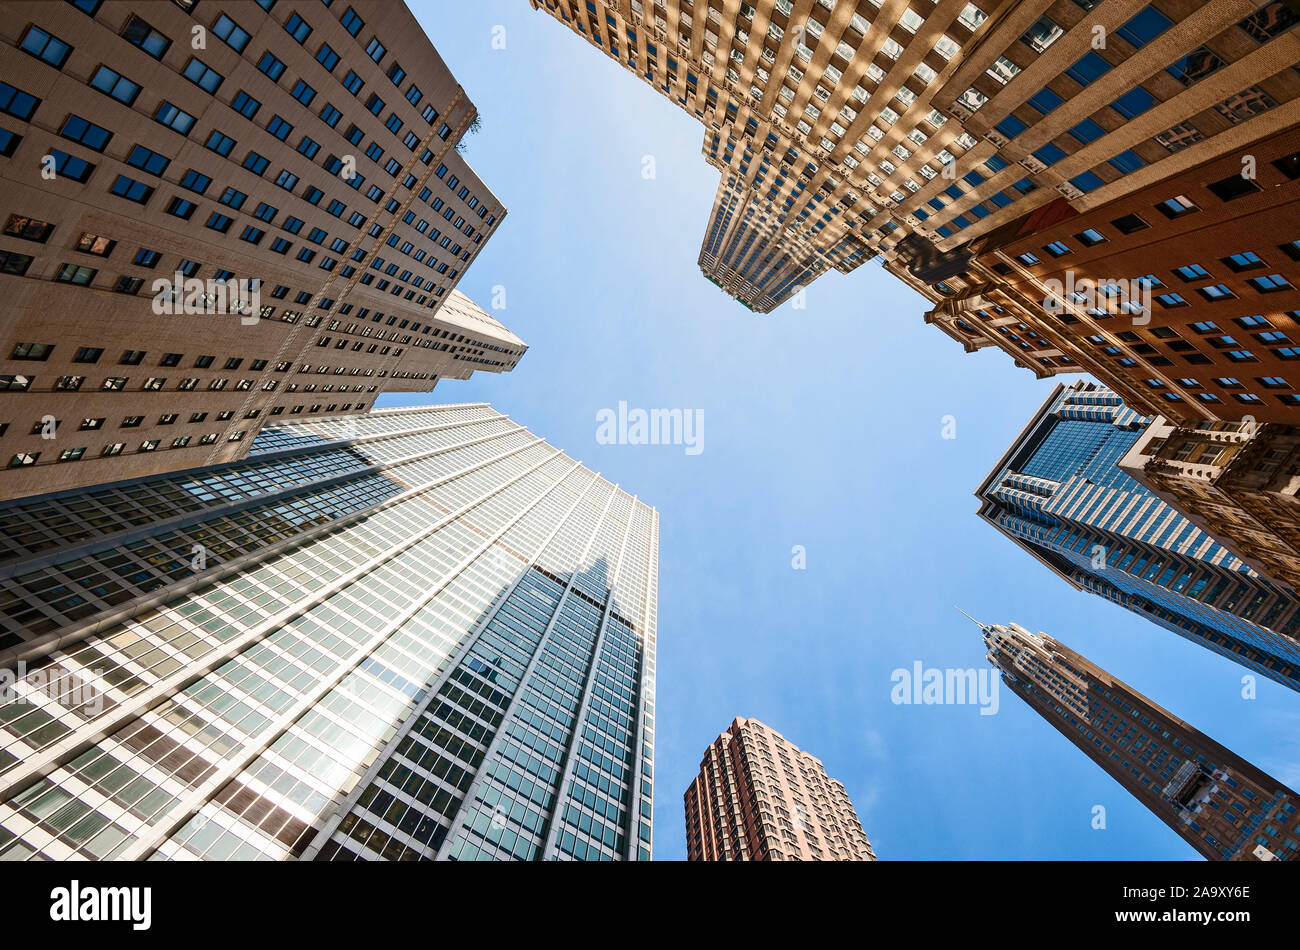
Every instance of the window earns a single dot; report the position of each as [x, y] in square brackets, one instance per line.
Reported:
[114, 84]
[95, 244]
[220, 143]
[1045, 100]
[32, 351]
[279, 128]
[270, 65]
[1049, 154]
[71, 167]
[375, 49]
[141, 34]
[1090, 237]
[256, 163]
[1126, 161]
[352, 82]
[1129, 224]
[1145, 27]
[297, 27]
[1270, 283]
[1134, 102]
[1087, 131]
[303, 92]
[203, 76]
[15, 102]
[1176, 206]
[219, 222]
[1195, 66]
[1232, 187]
[351, 22]
[1246, 260]
[245, 104]
[85, 133]
[148, 160]
[195, 181]
[29, 229]
[1191, 272]
[1215, 292]
[75, 274]
[1090, 67]
[181, 208]
[1086, 182]
[146, 258]
[327, 57]
[45, 47]
[1289, 165]
[174, 118]
[231, 33]
[1042, 34]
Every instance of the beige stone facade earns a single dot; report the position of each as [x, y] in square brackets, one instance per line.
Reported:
[1235, 480]
[311, 150]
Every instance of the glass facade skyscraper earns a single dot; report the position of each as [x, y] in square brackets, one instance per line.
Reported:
[1059, 493]
[411, 634]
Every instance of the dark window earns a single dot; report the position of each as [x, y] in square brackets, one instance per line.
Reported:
[1129, 224]
[1232, 187]
[140, 33]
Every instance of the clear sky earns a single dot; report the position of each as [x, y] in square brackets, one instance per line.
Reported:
[822, 428]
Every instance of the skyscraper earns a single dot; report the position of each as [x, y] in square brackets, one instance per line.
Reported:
[1218, 802]
[758, 797]
[907, 130]
[408, 634]
[1059, 493]
[163, 164]
[1182, 296]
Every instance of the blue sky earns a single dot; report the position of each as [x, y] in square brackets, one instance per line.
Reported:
[822, 428]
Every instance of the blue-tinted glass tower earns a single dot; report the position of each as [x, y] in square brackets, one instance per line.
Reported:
[405, 635]
[1059, 493]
